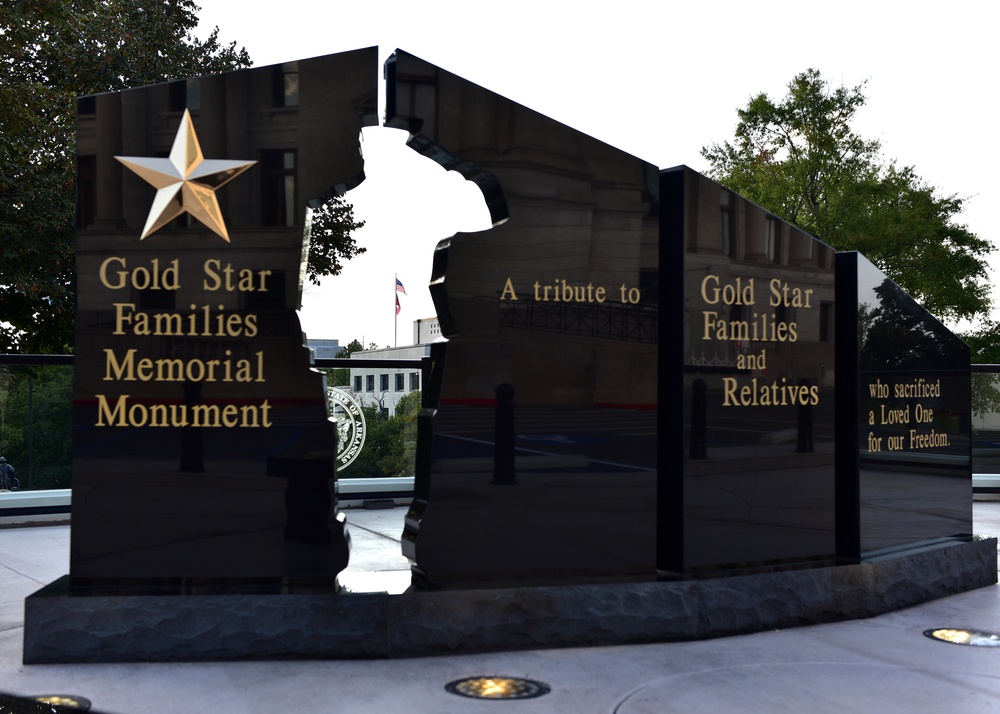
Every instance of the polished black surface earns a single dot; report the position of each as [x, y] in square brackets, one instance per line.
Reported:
[563, 438]
[751, 355]
[542, 465]
[203, 451]
[913, 426]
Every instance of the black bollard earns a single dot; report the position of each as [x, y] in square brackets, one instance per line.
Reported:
[503, 438]
[699, 420]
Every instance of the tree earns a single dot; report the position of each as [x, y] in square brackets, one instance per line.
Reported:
[36, 418]
[331, 226]
[52, 51]
[391, 441]
[985, 349]
[341, 376]
[800, 159]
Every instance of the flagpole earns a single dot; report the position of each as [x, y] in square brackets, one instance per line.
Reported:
[395, 312]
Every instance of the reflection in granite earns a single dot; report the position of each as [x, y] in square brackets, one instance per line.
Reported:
[203, 451]
[617, 473]
[558, 302]
[755, 348]
[913, 419]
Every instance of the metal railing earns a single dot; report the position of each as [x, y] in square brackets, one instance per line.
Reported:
[985, 443]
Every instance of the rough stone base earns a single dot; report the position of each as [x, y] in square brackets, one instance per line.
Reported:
[62, 628]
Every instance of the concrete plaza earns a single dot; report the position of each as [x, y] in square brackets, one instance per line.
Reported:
[881, 664]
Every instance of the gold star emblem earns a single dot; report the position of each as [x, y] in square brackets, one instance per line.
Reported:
[186, 182]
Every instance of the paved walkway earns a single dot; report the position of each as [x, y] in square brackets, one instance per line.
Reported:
[884, 664]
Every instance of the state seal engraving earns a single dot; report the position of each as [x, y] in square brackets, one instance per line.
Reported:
[351, 426]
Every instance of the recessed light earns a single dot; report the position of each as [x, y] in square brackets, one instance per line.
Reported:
[497, 688]
[957, 636]
[66, 701]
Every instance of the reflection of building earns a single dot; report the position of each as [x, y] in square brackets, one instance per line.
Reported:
[563, 290]
[279, 116]
[324, 349]
[758, 291]
[298, 121]
[551, 321]
[190, 368]
[383, 387]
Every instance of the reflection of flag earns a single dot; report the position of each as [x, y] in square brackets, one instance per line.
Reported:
[399, 289]
[397, 303]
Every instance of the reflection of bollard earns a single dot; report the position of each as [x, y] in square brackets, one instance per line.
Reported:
[503, 438]
[805, 425]
[191, 448]
[699, 420]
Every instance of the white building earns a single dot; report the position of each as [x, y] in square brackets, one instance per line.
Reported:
[383, 387]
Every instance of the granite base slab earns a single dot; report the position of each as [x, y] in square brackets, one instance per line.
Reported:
[60, 627]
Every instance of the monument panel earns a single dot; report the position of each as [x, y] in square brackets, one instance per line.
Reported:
[910, 408]
[753, 344]
[542, 464]
[203, 448]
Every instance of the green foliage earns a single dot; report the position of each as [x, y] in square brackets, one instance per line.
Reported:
[800, 159]
[52, 51]
[49, 427]
[352, 347]
[390, 442]
[402, 453]
[985, 347]
[985, 394]
[331, 242]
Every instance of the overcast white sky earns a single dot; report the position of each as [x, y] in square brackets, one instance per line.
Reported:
[657, 79]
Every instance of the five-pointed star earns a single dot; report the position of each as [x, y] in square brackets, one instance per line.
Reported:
[185, 182]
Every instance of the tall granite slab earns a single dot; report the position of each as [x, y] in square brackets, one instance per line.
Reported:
[905, 446]
[204, 454]
[747, 385]
[538, 461]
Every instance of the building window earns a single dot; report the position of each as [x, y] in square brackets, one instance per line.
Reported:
[772, 240]
[357, 383]
[273, 298]
[728, 223]
[649, 286]
[416, 98]
[370, 383]
[86, 106]
[86, 190]
[383, 383]
[278, 187]
[185, 94]
[414, 381]
[150, 299]
[285, 87]
[826, 322]
[400, 382]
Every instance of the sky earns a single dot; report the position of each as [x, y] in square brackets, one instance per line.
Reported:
[658, 79]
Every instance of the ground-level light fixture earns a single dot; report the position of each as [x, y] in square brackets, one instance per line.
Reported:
[959, 636]
[64, 701]
[497, 688]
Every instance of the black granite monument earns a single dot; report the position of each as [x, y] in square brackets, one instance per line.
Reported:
[658, 409]
[904, 448]
[203, 451]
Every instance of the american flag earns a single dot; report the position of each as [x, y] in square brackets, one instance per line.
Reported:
[400, 288]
